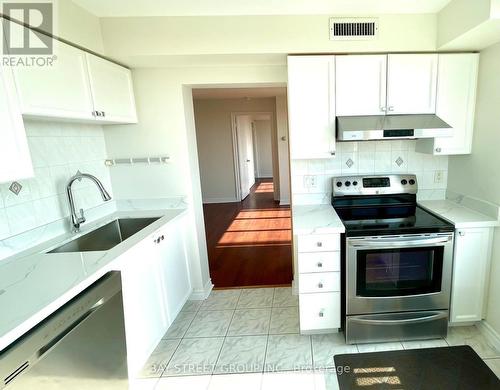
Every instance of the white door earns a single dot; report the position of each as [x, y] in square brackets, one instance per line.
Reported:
[360, 82]
[311, 106]
[15, 159]
[263, 149]
[411, 83]
[61, 90]
[472, 251]
[112, 91]
[245, 154]
[456, 100]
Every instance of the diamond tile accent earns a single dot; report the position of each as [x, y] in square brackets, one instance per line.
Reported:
[15, 187]
[349, 163]
[399, 161]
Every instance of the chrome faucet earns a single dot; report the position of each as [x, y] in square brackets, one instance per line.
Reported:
[76, 220]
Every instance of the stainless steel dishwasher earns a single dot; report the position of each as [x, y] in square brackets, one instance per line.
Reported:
[81, 346]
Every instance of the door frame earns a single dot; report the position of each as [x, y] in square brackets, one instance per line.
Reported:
[234, 137]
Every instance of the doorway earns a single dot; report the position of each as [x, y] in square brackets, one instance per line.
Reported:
[247, 224]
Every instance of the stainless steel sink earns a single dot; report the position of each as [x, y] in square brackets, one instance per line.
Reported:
[107, 236]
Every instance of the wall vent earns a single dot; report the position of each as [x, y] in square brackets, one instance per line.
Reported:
[353, 29]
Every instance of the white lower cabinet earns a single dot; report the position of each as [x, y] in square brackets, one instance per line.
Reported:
[174, 271]
[145, 321]
[319, 312]
[319, 281]
[156, 284]
[470, 274]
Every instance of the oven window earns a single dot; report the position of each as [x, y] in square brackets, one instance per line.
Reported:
[396, 272]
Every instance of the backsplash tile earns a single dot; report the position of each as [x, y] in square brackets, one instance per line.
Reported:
[373, 157]
[58, 151]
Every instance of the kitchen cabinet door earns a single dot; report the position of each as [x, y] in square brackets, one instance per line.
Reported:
[411, 83]
[311, 106]
[58, 91]
[174, 273]
[15, 159]
[470, 274]
[361, 82]
[455, 104]
[145, 322]
[112, 91]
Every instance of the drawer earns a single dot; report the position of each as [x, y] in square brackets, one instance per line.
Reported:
[319, 282]
[319, 262]
[319, 243]
[319, 311]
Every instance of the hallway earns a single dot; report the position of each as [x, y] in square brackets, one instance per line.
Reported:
[249, 242]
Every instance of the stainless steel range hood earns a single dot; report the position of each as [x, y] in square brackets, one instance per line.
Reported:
[383, 127]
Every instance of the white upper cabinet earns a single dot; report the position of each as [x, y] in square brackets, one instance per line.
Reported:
[112, 91]
[311, 106]
[59, 91]
[455, 104]
[361, 84]
[15, 159]
[411, 83]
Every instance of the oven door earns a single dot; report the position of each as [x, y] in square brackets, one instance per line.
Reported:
[399, 273]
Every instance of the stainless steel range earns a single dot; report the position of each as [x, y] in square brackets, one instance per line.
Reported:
[398, 260]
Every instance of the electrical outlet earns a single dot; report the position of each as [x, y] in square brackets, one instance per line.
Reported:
[310, 181]
[438, 177]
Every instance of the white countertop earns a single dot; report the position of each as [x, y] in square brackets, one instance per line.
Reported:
[35, 284]
[460, 216]
[316, 219]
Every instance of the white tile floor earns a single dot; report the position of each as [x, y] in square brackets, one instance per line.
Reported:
[249, 339]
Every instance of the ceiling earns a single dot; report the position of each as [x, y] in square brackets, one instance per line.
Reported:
[131, 8]
[238, 93]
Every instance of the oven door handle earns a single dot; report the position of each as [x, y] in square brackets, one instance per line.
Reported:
[414, 320]
[394, 242]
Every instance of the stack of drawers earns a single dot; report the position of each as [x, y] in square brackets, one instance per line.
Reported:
[319, 282]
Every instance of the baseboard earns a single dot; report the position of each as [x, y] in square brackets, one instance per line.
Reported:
[221, 200]
[285, 202]
[201, 294]
[491, 334]
[295, 288]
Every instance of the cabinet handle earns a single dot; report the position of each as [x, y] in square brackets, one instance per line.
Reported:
[320, 285]
[321, 313]
[332, 153]
[103, 114]
[94, 113]
[320, 264]
[319, 244]
[383, 109]
[391, 108]
[438, 150]
[162, 237]
[461, 234]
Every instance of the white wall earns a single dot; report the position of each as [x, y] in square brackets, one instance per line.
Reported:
[215, 143]
[58, 151]
[478, 175]
[374, 157]
[161, 40]
[263, 149]
[283, 152]
[165, 127]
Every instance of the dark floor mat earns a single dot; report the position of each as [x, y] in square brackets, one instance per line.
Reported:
[446, 368]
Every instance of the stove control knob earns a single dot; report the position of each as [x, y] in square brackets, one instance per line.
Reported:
[339, 184]
[347, 183]
[404, 182]
[412, 182]
[354, 183]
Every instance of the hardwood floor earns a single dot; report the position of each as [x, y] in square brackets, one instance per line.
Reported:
[249, 242]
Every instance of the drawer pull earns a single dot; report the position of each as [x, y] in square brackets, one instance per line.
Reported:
[320, 284]
[319, 244]
[320, 264]
[322, 313]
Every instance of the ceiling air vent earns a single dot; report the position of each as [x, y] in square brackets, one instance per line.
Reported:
[353, 29]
